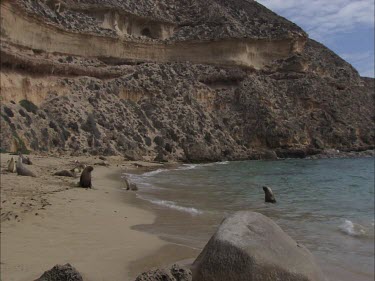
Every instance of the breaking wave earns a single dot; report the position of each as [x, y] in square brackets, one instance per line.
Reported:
[352, 229]
[173, 205]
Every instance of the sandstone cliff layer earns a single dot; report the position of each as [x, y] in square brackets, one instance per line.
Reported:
[187, 80]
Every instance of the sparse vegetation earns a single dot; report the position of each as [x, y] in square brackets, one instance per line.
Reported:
[8, 111]
[29, 106]
[21, 146]
[6, 118]
[90, 126]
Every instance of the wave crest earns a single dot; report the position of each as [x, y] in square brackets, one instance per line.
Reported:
[173, 205]
[352, 229]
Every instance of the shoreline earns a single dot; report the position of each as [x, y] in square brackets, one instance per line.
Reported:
[124, 242]
[169, 219]
[90, 229]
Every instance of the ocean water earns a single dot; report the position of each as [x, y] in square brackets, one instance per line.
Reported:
[328, 205]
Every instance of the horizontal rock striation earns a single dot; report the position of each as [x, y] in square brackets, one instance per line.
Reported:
[33, 33]
[174, 80]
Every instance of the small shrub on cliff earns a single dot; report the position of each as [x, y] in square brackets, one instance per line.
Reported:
[8, 111]
[21, 147]
[29, 106]
[90, 126]
[6, 118]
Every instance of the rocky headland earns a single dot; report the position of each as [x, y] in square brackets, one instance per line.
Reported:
[174, 80]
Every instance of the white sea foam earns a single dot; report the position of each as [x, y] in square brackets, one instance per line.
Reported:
[187, 167]
[173, 205]
[222, 163]
[352, 229]
[153, 173]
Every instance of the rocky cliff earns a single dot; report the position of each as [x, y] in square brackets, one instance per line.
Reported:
[174, 80]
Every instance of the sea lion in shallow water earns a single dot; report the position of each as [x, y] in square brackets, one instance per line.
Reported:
[269, 196]
[85, 180]
[12, 166]
[22, 170]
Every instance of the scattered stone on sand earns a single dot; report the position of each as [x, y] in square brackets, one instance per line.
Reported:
[174, 273]
[22, 170]
[79, 167]
[102, 163]
[61, 273]
[269, 197]
[249, 247]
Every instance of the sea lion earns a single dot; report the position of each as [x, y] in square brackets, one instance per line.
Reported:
[133, 187]
[269, 197]
[22, 170]
[12, 166]
[129, 185]
[26, 160]
[78, 168]
[65, 173]
[85, 180]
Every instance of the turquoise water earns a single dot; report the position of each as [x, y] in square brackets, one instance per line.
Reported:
[326, 204]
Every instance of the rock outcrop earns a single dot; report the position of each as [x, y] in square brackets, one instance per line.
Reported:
[174, 80]
[174, 273]
[251, 247]
[61, 273]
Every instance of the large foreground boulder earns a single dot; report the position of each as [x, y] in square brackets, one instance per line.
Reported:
[174, 273]
[61, 273]
[251, 247]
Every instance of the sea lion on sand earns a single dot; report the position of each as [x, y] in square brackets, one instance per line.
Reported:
[65, 173]
[85, 180]
[78, 168]
[269, 197]
[26, 160]
[22, 170]
[12, 166]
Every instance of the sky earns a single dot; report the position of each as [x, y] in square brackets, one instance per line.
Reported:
[344, 26]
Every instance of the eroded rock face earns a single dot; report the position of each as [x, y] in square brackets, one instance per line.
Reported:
[61, 273]
[63, 97]
[250, 247]
[174, 273]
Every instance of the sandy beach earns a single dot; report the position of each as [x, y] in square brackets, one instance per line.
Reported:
[47, 220]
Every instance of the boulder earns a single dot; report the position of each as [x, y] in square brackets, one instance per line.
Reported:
[174, 273]
[161, 157]
[250, 247]
[61, 273]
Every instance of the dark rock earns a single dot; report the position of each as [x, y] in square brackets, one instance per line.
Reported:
[175, 273]
[250, 247]
[61, 273]
[161, 157]
[132, 155]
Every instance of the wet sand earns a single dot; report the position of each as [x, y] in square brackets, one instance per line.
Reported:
[48, 220]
